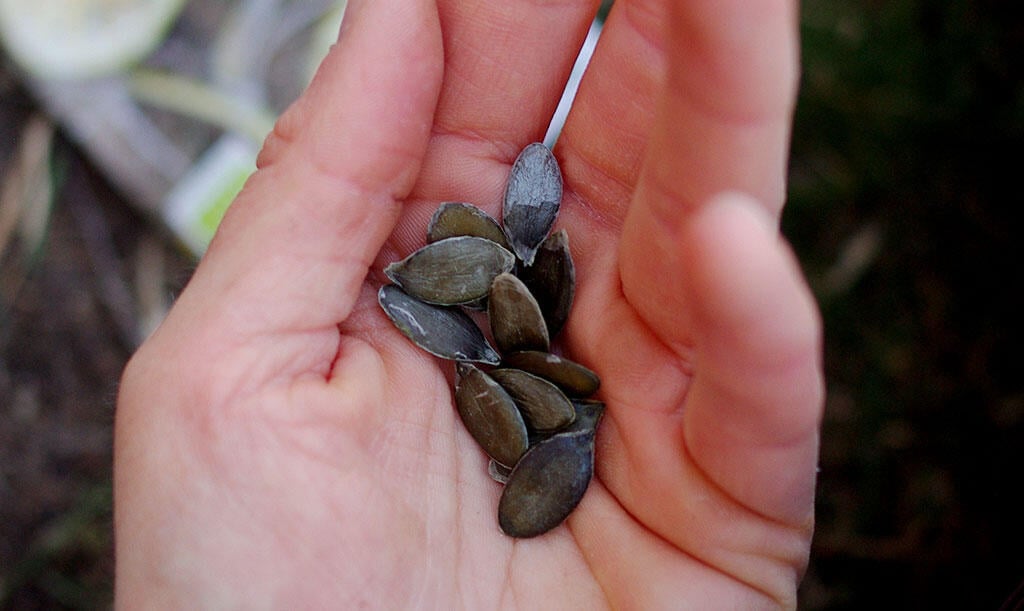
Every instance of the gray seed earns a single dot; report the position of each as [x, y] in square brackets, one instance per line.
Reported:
[490, 415]
[452, 219]
[574, 379]
[588, 415]
[515, 316]
[544, 407]
[444, 332]
[532, 197]
[451, 271]
[550, 479]
[552, 280]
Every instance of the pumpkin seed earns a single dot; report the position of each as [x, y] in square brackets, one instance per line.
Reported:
[544, 407]
[574, 379]
[452, 219]
[552, 280]
[519, 413]
[588, 415]
[451, 271]
[490, 415]
[532, 198]
[549, 480]
[498, 471]
[516, 319]
[445, 332]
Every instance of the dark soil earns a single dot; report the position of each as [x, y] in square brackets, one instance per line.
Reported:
[68, 322]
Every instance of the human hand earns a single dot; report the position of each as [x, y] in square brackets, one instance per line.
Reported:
[280, 444]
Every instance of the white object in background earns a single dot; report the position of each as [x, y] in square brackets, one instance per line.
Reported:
[74, 39]
[195, 205]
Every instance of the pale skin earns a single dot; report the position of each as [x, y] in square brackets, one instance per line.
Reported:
[280, 445]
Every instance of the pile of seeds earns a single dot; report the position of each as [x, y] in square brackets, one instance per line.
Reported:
[528, 410]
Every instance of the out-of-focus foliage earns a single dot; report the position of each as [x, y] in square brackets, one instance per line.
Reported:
[906, 157]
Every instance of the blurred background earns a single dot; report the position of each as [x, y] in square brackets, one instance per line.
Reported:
[116, 159]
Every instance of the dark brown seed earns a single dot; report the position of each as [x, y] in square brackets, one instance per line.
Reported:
[451, 271]
[452, 219]
[552, 280]
[544, 407]
[574, 379]
[550, 479]
[490, 415]
[532, 197]
[445, 332]
[516, 319]
[587, 413]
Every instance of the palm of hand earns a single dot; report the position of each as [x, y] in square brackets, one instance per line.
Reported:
[297, 463]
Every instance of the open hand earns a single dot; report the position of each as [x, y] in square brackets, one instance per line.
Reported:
[280, 444]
